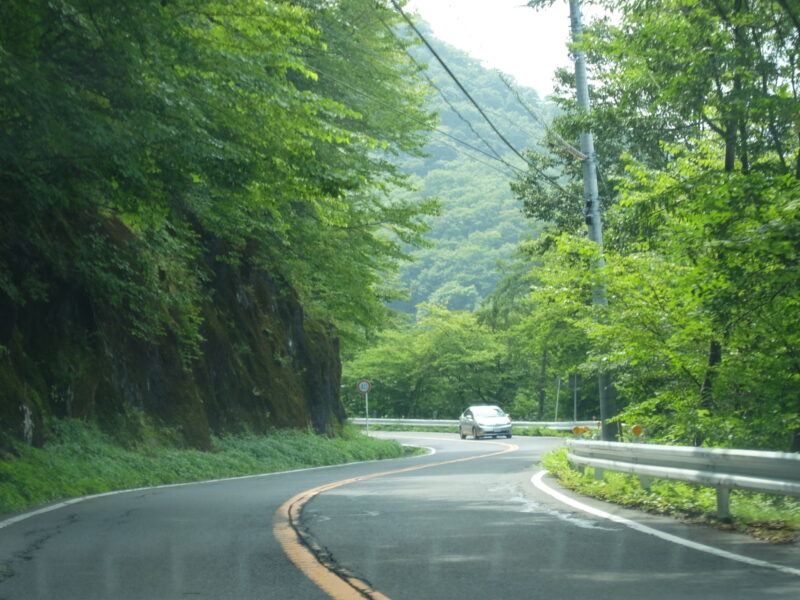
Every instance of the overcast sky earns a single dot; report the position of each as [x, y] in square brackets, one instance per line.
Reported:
[504, 34]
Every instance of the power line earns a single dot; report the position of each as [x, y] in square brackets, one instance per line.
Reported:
[494, 156]
[422, 69]
[457, 82]
[419, 121]
[483, 162]
[459, 115]
[452, 75]
[565, 144]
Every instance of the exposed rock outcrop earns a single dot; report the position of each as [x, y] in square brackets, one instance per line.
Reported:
[262, 364]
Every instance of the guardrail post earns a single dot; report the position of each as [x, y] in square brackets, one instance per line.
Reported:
[598, 474]
[723, 503]
[645, 482]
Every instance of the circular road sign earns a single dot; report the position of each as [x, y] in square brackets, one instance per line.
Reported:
[364, 386]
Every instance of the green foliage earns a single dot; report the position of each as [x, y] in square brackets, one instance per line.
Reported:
[437, 366]
[147, 146]
[81, 460]
[692, 113]
[166, 122]
[511, 352]
[695, 117]
[776, 518]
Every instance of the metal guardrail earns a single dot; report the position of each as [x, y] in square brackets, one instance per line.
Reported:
[558, 425]
[720, 468]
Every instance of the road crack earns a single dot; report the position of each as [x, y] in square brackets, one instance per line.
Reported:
[27, 554]
[325, 557]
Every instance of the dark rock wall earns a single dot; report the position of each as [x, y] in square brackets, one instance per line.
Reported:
[263, 364]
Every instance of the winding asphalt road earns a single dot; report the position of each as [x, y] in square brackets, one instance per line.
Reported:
[471, 519]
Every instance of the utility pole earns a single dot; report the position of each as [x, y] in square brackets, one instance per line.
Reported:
[593, 214]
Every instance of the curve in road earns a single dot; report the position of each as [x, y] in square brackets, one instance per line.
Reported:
[312, 558]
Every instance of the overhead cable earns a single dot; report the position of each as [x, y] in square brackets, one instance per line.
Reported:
[456, 80]
[458, 114]
[565, 144]
[452, 75]
[416, 120]
[422, 69]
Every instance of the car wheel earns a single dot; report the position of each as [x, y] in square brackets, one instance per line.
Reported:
[474, 433]
[508, 435]
[461, 433]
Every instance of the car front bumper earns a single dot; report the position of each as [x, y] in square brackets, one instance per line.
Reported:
[494, 429]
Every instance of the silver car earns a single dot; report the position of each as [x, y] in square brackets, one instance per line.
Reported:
[482, 421]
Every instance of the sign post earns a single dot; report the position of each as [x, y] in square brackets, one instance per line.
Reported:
[364, 386]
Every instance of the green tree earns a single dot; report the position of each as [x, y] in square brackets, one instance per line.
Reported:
[730, 238]
[695, 114]
[227, 119]
[146, 147]
[440, 364]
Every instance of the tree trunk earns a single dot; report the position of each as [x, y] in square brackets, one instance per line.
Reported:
[714, 358]
[797, 164]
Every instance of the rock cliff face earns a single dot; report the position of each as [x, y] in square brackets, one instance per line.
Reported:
[262, 364]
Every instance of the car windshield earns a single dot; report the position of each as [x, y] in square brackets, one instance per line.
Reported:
[488, 411]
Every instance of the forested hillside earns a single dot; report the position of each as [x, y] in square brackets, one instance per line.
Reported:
[695, 115]
[468, 168]
[195, 197]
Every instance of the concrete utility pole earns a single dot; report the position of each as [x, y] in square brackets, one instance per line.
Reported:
[593, 216]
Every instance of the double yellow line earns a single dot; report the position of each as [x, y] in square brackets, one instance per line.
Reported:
[309, 557]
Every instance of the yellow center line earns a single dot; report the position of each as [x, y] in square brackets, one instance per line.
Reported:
[299, 548]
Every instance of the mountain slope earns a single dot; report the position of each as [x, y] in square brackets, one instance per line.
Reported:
[469, 169]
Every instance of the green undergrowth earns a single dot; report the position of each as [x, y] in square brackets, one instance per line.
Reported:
[540, 432]
[764, 516]
[81, 460]
[415, 428]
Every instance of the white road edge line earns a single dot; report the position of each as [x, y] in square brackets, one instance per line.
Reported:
[537, 481]
[64, 503]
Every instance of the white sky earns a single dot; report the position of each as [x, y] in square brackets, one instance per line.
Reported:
[504, 34]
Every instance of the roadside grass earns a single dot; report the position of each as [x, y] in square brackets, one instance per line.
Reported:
[81, 460]
[767, 517]
[412, 428]
[540, 432]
